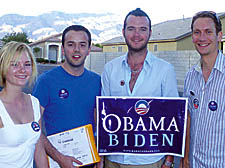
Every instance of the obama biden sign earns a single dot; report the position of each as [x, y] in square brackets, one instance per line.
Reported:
[141, 125]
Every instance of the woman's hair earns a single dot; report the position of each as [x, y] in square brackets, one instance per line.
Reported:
[7, 54]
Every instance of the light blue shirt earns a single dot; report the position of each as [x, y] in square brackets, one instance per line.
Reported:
[157, 79]
[206, 105]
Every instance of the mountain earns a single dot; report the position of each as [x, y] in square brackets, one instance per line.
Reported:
[102, 26]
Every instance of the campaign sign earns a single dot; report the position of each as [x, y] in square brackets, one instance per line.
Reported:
[147, 126]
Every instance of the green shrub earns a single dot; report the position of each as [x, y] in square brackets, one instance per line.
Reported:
[40, 60]
[52, 61]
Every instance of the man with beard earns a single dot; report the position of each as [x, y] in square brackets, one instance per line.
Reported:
[138, 74]
[67, 93]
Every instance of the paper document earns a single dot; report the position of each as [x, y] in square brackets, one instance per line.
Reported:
[78, 142]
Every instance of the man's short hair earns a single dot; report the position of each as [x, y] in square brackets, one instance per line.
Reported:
[208, 14]
[136, 12]
[76, 28]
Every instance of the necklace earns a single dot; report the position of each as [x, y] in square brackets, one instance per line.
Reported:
[135, 68]
[136, 71]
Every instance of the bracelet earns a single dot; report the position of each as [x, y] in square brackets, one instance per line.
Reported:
[168, 163]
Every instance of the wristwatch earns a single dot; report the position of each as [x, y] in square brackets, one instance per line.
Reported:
[168, 163]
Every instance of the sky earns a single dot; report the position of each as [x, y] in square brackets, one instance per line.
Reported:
[158, 10]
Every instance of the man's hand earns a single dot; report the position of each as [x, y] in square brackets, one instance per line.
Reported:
[67, 161]
[168, 162]
[101, 163]
[184, 163]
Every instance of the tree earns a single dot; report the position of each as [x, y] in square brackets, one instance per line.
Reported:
[98, 45]
[36, 49]
[19, 37]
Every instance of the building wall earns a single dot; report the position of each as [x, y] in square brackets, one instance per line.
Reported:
[115, 48]
[223, 25]
[185, 44]
[45, 49]
[224, 47]
[223, 30]
[111, 48]
[162, 46]
[42, 50]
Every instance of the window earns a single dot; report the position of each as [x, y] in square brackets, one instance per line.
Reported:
[37, 52]
[155, 47]
[120, 49]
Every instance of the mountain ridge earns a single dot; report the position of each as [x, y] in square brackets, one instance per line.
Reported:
[103, 26]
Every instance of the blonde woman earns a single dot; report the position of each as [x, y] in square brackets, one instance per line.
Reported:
[20, 115]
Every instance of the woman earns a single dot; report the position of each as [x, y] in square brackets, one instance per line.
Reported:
[20, 114]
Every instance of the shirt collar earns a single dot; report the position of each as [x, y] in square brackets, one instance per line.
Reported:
[148, 60]
[219, 64]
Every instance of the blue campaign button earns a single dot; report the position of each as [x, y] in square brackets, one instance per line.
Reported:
[35, 126]
[212, 105]
[63, 93]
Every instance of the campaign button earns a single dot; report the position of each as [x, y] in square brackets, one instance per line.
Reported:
[122, 82]
[35, 126]
[63, 93]
[195, 103]
[212, 105]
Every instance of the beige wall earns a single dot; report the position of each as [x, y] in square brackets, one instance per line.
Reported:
[166, 46]
[110, 48]
[223, 30]
[163, 46]
[185, 44]
[115, 48]
[45, 49]
[224, 47]
[223, 25]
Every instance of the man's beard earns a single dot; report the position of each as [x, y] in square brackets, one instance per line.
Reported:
[143, 47]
